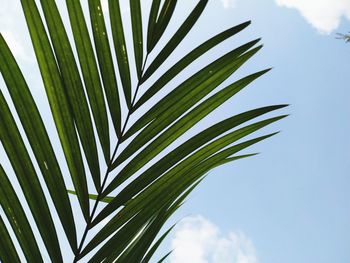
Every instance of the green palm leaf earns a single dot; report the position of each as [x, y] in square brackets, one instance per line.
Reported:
[18, 220]
[121, 49]
[90, 72]
[105, 61]
[8, 252]
[176, 39]
[38, 138]
[58, 102]
[141, 182]
[20, 160]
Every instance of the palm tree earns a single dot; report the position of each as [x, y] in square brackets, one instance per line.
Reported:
[138, 181]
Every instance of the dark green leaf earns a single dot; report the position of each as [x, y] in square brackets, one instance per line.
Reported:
[73, 86]
[152, 22]
[38, 138]
[136, 234]
[183, 150]
[137, 250]
[120, 48]
[185, 123]
[189, 93]
[187, 60]
[90, 73]
[18, 220]
[181, 126]
[178, 179]
[176, 39]
[155, 246]
[8, 251]
[139, 211]
[58, 101]
[17, 153]
[105, 61]
[162, 21]
[165, 257]
[136, 21]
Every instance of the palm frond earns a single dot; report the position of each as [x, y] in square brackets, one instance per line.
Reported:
[146, 174]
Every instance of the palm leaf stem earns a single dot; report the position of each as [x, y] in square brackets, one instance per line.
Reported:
[100, 191]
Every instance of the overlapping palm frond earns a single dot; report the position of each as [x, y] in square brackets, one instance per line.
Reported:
[147, 173]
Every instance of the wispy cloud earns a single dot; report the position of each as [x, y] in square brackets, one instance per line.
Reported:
[228, 3]
[324, 15]
[197, 240]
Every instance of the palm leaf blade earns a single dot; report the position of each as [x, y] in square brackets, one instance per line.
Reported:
[58, 102]
[18, 220]
[186, 122]
[38, 138]
[121, 49]
[187, 60]
[8, 252]
[170, 185]
[152, 20]
[105, 62]
[182, 125]
[162, 21]
[176, 39]
[136, 21]
[165, 257]
[90, 73]
[27, 177]
[158, 167]
[182, 151]
[73, 86]
[191, 91]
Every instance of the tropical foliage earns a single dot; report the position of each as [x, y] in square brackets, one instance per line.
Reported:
[345, 37]
[137, 180]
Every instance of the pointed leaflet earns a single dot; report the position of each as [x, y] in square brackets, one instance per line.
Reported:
[187, 60]
[120, 48]
[136, 21]
[165, 257]
[162, 22]
[152, 20]
[38, 138]
[206, 83]
[176, 39]
[17, 153]
[121, 240]
[90, 73]
[146, 226]
[8, 251]
[154, 247]
[137, 251]
[166, 189]
[142, 226]
[192, 90]
[58, 102]
[105, 61]
[184, 124]
[73, 86]
[18, 220]
[186, 148]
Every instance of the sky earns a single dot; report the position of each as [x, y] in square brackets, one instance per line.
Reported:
[291, 203]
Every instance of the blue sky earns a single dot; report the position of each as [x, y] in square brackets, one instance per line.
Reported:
[291, 203]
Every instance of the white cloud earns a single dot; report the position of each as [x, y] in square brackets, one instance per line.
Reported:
[228, 3]
[197, 240]
[13, 43]
[324, 15]
[13, 29]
